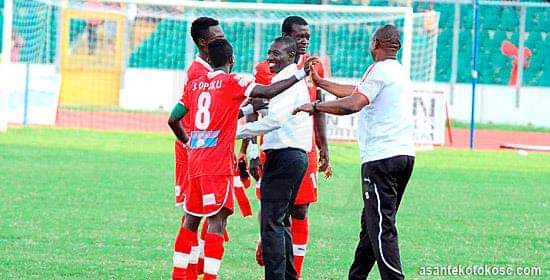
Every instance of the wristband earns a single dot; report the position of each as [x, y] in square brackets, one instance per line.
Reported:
[252, 151]
[248, 109]
[300, 74]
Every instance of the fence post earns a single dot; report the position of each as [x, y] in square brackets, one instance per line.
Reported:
[521, 56]
[474, 72]
[454, 55]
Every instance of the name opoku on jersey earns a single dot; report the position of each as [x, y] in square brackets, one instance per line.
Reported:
[213, 103]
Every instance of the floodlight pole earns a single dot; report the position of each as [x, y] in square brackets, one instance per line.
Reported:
[474, 71]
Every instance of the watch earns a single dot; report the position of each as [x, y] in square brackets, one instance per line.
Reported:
[314, 105]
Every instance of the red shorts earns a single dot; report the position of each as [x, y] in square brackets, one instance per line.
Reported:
[307, 192]
[182, 182]
[208, 195]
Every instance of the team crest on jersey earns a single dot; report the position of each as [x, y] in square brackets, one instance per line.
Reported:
[204, 139]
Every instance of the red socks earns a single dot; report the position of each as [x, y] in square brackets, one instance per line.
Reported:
[192, 272]
[182, 252]
[242, 198]
[213, 254]
[300, 231]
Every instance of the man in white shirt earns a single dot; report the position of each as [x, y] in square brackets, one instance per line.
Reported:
[386, 144]
[287, 139]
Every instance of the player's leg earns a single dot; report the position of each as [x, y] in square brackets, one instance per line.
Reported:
[364, 255]
[192, 270]
[214, 244]
[181, 189]
[307, 194]
[200, 262]
[299, 228]
[380, 197]
[186, 248]
[218, 205]
[259, 248]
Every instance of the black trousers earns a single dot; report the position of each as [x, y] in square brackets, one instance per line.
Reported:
[384, 183]
[283, 172]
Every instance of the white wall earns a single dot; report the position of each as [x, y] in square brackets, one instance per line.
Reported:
[147, 89]
[43, 92]
[497, 104]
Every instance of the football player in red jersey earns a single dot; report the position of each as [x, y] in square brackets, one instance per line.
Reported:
[297, 28]
[212, 103]
[203, 31]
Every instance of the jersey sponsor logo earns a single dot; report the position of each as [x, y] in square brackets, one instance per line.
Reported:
[204, 139]
[208, 199]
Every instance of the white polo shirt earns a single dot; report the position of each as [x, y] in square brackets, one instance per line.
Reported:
[280, 128]
[386, 125]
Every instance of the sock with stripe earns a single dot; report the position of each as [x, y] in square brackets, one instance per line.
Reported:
[213, 254]
[182, 252]
[192, 271]
[299, 230]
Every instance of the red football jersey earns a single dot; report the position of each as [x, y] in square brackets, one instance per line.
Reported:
[198, 68]
[213, 101]
[263, 75]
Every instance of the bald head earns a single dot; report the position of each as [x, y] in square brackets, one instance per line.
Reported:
[385, 44]
[388, 37]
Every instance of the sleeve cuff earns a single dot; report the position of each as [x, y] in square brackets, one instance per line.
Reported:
[248, 109]
[358, 92]
[249, 89]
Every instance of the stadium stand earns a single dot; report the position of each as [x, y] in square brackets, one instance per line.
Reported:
[497, 24]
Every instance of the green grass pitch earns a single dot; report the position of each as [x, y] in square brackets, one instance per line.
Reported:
[99, 205]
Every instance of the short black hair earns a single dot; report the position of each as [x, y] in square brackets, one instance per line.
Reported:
[200, 26]
[219, 52]
[389, 37]
[286, 28]
[289, 43]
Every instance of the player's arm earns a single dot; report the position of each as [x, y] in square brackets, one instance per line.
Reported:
[319, 125]
[279, 111]
[276, 88]
[361, 95]
[174, 121]
[246, 142]
[253, 105]
[338, 90]
[345, 106]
